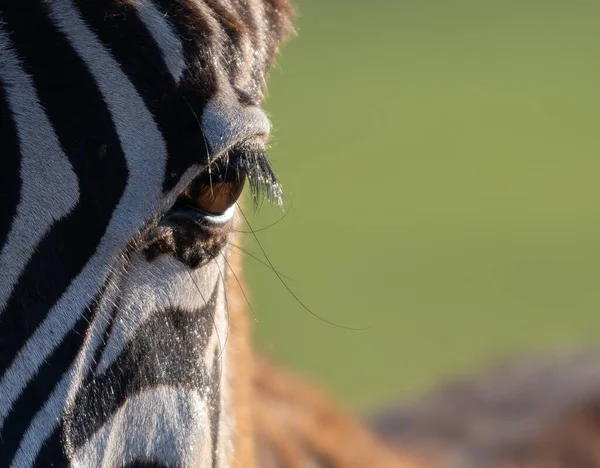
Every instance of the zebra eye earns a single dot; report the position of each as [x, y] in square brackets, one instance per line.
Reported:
[215, 191]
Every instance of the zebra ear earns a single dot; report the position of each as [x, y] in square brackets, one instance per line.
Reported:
[226, 122]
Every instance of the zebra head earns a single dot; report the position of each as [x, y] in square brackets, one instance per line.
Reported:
[127, 129]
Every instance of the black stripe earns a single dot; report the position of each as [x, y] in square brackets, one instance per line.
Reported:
[112, 319]
[98, 353]
[246, 13]
[85, 131]
[233, 29]
[41, 387]
[253, 22]
[173, 105]
[52, 453]
[167, 350]
[145, 464]
[10, 178]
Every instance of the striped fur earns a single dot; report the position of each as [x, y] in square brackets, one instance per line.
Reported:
[108, 110]
[120, 343]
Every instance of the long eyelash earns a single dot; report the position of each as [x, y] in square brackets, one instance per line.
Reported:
[261, 177]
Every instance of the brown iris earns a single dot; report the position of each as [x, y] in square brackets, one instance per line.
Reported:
[216, 191]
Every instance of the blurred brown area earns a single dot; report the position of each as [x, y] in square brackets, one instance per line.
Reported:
[540, 412]
[442, 161]
[535, 413]
[298, 426]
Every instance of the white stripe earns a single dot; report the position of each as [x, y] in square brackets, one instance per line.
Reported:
[146, 154]
[49, 189]
[159, 411]
[165, 282]
[170, 426]
[162, 32]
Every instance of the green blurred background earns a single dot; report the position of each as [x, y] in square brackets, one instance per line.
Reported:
[442, 162]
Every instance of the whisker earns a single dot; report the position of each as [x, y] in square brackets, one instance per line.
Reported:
[264, 228]
[223, 283]
[222, 345]
[261, 177]
[241, 288]
[255, 257]
[285, 285]
[206, 304]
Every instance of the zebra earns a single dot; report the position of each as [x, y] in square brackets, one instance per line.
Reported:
[127, 131]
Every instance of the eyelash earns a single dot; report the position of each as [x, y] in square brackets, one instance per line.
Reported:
[262, 181]
[212, 196]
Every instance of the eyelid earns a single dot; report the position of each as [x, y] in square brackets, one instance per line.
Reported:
[226, 123]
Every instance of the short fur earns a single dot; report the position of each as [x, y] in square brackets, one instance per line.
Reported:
[124, 340]
[113, 307]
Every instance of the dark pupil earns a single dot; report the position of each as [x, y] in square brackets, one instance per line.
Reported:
[215, 191]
